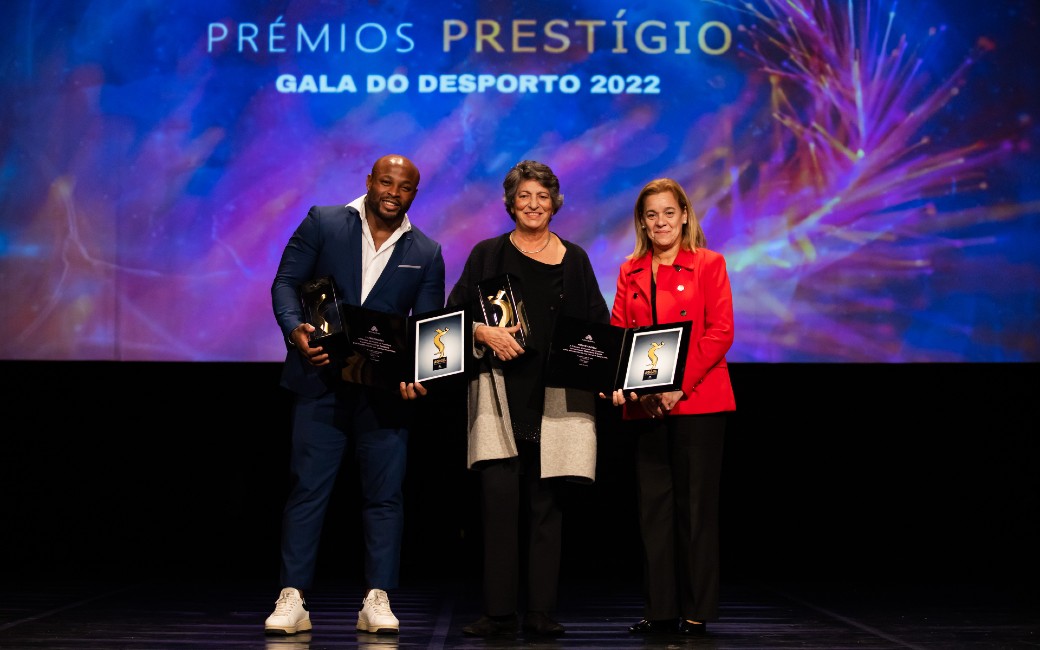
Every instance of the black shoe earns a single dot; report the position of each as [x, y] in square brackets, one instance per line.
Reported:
[540, 624]
[645, 626]
[492, 626]
[686, 628]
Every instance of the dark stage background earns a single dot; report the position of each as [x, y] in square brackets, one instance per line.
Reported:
[833, 472]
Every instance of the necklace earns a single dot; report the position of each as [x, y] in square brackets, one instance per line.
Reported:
[549, 239]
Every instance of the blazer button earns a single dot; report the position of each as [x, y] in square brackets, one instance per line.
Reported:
[682, 313]
[635, 295]
[681, 288]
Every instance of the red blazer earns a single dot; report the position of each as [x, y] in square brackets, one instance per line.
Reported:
[695, 288]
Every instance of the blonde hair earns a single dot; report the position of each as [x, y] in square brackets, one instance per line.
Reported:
[692, 234]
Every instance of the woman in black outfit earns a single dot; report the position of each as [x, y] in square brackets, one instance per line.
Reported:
[523, 437]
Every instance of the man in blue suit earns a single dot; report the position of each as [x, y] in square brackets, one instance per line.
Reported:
[378, 260]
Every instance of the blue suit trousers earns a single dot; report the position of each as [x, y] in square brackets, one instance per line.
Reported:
[324, 429]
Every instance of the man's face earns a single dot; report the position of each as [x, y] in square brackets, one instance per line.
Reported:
[391, 188]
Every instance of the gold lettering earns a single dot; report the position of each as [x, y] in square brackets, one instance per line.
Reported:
[518, 34]
[619, 30]
[682, 48]
[565, 41]
[590, 30]
[488, 35]
[558, 35]
[727, 37]
[450, 34]
[660, 41]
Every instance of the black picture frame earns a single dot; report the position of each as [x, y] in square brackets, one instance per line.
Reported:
[602, 358]
[442, 342]
[385, 349]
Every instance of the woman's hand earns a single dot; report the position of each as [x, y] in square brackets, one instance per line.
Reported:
[500, 340]
[657, 405]
[618, 397]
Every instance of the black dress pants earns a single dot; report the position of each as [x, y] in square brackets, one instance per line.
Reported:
[678, 465]
[511, 488]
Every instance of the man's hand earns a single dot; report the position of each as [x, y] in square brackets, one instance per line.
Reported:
[301, 339]
[412, 391]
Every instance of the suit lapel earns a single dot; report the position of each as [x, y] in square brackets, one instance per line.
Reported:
[642, 277]
[686, 259]
[352, 292]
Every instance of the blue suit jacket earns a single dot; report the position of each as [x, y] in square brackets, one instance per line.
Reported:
[328, 242]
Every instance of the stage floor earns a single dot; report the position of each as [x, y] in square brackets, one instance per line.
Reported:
[210, 616]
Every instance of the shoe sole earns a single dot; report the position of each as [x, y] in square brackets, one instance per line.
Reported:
[304, 626]
[377, 630]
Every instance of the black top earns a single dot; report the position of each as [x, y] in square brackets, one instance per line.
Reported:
[653, 298]
[577, 295]
[542, 288]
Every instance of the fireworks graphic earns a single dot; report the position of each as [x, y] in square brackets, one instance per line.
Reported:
[867, 171]
[861, 213]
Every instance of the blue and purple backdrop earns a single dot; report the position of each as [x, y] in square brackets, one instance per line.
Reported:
[869, 169]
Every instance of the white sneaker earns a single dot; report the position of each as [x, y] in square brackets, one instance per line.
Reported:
[375, 615]
[290, 614]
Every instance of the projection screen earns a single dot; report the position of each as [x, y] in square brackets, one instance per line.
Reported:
[868, 169]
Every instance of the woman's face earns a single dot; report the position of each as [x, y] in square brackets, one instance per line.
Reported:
[532, 205]
[663, 219]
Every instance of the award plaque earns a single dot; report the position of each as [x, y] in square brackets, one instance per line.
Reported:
[386, 349]
[654, 357]
[502, 305]
[441, 343]
[603, 358]
[321, 308]
[378, 347]
[584, 355]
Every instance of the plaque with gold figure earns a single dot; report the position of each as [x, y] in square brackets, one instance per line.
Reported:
[603, 358]
[502, 305]
[386, 349]
[441, 344]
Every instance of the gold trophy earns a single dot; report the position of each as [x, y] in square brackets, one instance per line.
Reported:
[651, 372]
[502, 305]
[440, 358]
[321, 309]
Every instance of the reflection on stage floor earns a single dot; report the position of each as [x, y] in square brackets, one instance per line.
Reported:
[211, 616]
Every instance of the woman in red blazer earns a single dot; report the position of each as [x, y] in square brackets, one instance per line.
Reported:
[668, 278]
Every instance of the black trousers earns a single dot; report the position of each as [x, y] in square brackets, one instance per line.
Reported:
[678, 465]
[511, 488]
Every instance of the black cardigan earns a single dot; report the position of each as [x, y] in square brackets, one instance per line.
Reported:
[581, 297]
